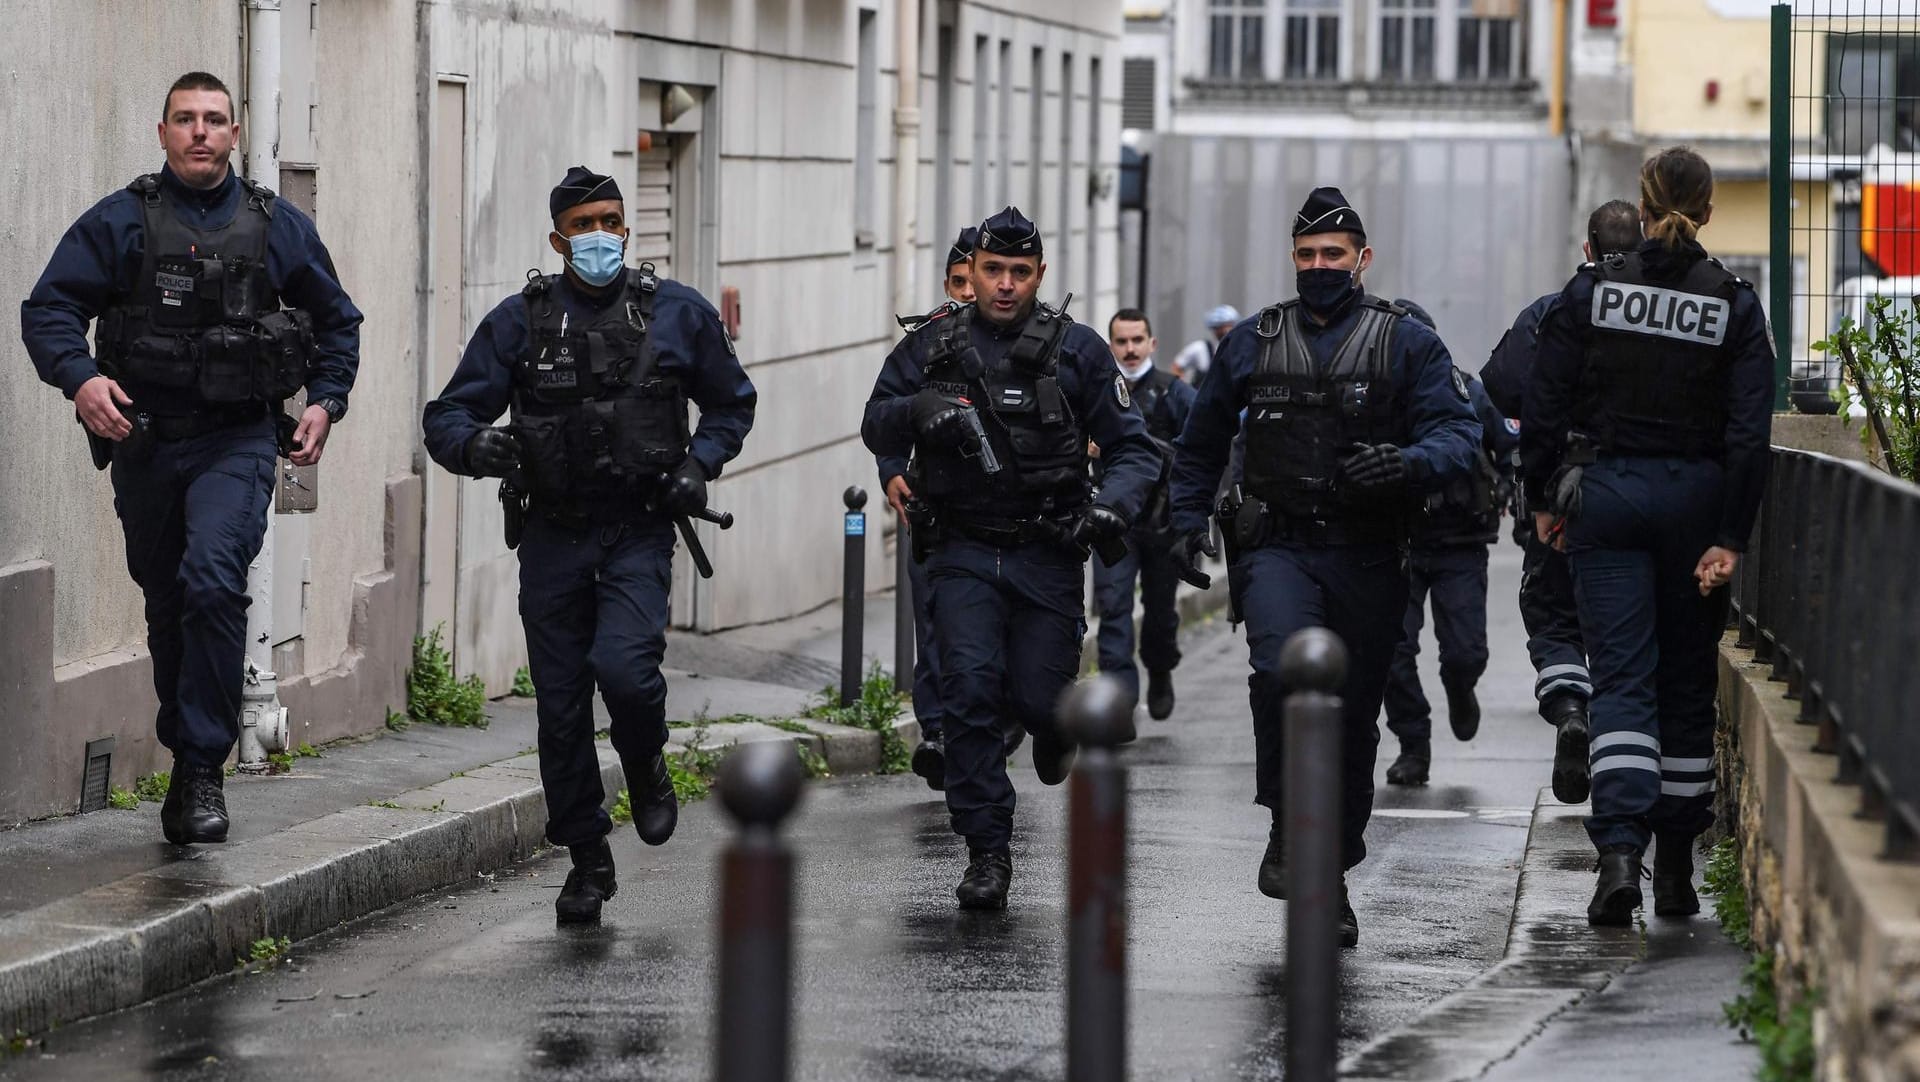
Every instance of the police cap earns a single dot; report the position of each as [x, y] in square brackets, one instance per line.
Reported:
[962, 249]
[580, 185]
[1009, 233]
[1327, 211]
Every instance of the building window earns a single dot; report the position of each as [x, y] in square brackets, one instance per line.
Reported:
[1137, 86]
[1489, 46]
[1311, 31]
[1236, 39]
[865, 150]
[1407, 40]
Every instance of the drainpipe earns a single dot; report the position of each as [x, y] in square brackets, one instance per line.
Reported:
[1557, 90]
[263, 721]
[906, 159]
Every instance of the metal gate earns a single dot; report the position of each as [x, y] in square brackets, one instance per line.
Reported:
[1471, 229]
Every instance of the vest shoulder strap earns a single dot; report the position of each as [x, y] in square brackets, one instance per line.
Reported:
[1366, 352]
[1038, 347]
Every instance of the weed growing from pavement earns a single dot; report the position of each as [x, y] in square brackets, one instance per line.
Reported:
[383, 804]
[1784, 1038]
[879, 703]
[265, 951]
[622, 810]
[811, 761]
[396, 721]
[307, 751]
[790, 725]
[434, 695]
[17, 1044]
[523, 682]
[695, 767]
[154, 786]
[122, 799]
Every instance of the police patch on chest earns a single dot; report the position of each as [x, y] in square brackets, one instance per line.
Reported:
[1120, 392]
[174, 282]
[1666, 313]
[948, 388]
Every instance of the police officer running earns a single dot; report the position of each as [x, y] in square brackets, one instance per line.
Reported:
[1659, 366]
[996, 402]
[186, 271]
[1350, 405]
[1562, 684]
[598, 365]
[929, 758]
[1451, 529]
[1163, 401]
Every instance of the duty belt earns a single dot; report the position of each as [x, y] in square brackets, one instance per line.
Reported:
[1007, 533]
[186, 426]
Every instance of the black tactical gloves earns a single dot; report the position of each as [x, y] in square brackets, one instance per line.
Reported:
[1186, 557]
[1103, 532]
[1374, 467]
[939, 420]
[685, 493]
[493, 452]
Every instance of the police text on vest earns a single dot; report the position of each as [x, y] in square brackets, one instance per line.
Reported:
[1669, 313]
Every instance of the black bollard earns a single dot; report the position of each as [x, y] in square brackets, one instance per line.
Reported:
[759, 784]
[904, 629]
[1096, 714]
[853, 595]
[1314, 665]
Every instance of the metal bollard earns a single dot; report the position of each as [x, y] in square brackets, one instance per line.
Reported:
[905, 631]
[1314, 664]
[1096, 714]
[853, 595]
[759, 785]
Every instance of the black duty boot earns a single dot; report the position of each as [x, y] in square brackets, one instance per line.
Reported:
[196, 806]
[1568, 714]
[989, 874]
[1673, 894]
[1463, 707]
[656, 811]
[1159, 695]
[588, 884]
[1349, 924]
[1273, 864]
[1052, 756]
[1617, 894]
[930, 762]
[1410, 767]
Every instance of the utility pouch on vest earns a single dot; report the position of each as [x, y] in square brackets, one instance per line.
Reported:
[226, 364]
[161, 361]
[638, 449]
[543, 456]
[287, 348]
[139, 445]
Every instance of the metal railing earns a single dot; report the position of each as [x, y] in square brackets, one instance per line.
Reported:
[1828, 595]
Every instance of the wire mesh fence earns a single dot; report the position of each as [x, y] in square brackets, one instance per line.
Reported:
[1846, 174]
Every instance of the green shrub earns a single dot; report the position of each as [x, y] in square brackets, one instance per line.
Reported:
[876, 708]
[434, 695]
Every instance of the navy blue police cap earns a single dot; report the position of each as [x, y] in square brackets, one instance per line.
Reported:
[962, 249]
[1009, 233]
[581, 185]
[1416, 312]
[1327, 211]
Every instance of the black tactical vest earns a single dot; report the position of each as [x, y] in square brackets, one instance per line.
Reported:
[1465, 512]
[1302, 420]
[597, 423]
[1658, 358]
[203, 327]
[1029, 424]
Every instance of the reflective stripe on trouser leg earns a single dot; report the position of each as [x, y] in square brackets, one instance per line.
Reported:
[1556, 679]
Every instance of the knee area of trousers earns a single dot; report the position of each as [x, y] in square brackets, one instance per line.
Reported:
[204, 593]
[629, 682]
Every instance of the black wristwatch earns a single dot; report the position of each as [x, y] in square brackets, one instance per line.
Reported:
[335, 408]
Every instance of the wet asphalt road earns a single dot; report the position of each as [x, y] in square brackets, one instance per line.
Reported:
[892, 981]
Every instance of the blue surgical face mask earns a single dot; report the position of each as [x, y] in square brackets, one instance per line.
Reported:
[1324, 289]
[596, 256]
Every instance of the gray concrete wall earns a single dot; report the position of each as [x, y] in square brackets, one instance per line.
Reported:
[1472, 229]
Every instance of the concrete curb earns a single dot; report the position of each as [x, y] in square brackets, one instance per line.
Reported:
[125, 942]
[1553, 961]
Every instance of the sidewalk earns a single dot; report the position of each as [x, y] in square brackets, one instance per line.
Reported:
[99, 913]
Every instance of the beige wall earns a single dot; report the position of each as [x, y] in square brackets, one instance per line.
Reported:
[89, 109]
[1676, 46]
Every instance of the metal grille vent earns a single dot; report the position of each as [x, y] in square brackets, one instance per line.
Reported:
[93, 786]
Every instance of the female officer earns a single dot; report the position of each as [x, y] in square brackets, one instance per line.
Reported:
[1644, 441]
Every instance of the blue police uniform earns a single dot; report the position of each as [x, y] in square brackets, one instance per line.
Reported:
[926, 658]
[1006, 584]
[595, 573]
[1659, 363]
[1343, 568]
[1164, 402]
[1448, 560]
[1562, 684]
[192, 496]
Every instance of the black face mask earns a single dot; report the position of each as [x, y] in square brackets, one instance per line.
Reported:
[1324, 289]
